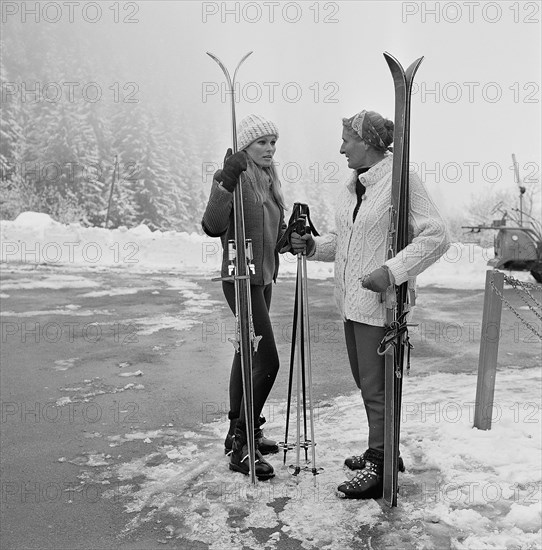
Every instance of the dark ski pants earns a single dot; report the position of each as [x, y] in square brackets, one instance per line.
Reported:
[265, 363]
[367, 367]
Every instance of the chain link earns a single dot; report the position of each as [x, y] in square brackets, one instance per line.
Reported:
[512, 309]
[515, 283]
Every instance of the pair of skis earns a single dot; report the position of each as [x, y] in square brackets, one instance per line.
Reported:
[240, 260]
[395, 344]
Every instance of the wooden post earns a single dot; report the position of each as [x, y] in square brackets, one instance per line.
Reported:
[115, 169]
[489, 349]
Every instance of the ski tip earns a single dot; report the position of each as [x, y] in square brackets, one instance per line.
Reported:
[418, 61]
[413, 67]
[388, 55]
[243, 59]
[393, 62]
[213, 56]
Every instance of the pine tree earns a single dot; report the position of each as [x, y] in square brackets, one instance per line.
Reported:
[142, 149]
[11, 146]
[65, 147]
[178, 152]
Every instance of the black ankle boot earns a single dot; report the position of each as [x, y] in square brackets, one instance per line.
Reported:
[357, 462]
[239, 461]
[368, 482]
[265, 446]
[228, 442]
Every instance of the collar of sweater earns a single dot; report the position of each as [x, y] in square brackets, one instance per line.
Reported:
[374, 174]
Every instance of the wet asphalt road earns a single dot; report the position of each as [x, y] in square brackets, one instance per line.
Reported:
[63, 396]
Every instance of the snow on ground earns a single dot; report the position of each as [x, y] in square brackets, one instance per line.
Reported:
[482, 488]
[58, 311]
[474, 489]
[35, 238]
[49, 282]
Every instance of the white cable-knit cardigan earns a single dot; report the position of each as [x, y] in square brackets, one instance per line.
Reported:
[360, 247]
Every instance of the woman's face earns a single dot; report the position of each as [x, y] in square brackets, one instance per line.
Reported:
[354, 150]
[262, 150]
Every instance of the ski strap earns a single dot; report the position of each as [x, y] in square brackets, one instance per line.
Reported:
[396, 334]
[300, 209]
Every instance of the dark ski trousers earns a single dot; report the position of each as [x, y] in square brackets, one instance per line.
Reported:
[265, 364]
[367, 367]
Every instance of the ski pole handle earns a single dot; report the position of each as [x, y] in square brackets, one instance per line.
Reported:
[301, 225]
[301, 229]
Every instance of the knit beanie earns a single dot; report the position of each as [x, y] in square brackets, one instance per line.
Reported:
[253, 127]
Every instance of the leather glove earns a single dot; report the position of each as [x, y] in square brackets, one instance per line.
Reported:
[218, 175]
[234, 165]
[378, 280]
[301, 244]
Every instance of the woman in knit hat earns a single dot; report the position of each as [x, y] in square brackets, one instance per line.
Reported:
[358, 245]
[263, 204]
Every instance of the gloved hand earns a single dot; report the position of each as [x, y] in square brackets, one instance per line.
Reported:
[234, 165]
[377, 281]
[301, 244]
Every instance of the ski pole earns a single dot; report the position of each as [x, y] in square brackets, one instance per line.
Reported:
[301, 229]
[300, 355]
[291, 374]
[299, 299]
[309, 364]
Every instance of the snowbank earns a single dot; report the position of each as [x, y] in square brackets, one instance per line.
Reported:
[35, 238]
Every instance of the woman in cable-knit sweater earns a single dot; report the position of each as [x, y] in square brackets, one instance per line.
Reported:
[358, 245]
[263, 206]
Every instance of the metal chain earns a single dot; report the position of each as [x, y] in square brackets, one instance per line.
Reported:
[512, 281]
[511, 308]
[515, 283]
[535, 310]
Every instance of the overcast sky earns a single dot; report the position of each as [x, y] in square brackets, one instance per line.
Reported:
[477, 94]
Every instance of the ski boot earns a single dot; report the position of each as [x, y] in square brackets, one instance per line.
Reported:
[239, 461]
[368, 482]
[357, 462]
[263, 444]
[228, 442]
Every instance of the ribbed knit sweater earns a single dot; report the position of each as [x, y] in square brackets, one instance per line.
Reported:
[264, 224]
[359, 247]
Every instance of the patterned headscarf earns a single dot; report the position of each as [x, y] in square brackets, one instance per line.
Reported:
[363, 126]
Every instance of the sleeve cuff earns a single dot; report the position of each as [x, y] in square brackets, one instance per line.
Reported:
[397, 270]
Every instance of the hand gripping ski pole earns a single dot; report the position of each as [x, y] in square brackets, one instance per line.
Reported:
[301, 224]
[240, 253]
[395, 345]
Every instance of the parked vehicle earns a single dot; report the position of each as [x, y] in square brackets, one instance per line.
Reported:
[518, 238]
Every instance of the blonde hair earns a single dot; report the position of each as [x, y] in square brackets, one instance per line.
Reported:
[262, 179]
